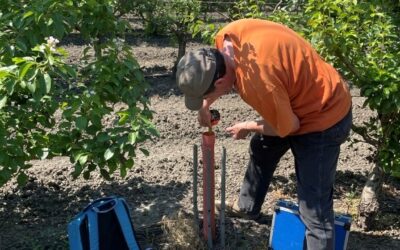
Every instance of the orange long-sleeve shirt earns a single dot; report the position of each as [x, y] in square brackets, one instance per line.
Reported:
[278, 73]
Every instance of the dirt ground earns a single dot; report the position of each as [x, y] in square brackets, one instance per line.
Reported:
[160, 185]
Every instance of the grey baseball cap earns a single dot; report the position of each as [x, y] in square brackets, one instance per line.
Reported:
[195, 72]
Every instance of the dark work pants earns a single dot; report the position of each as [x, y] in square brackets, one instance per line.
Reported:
[316, 156]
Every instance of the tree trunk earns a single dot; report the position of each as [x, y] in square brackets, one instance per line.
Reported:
[369, 204]
[181, 50]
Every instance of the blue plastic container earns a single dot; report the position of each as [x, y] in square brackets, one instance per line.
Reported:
[288, 231]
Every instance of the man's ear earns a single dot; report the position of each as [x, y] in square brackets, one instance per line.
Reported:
[224, 82]
[219, 82]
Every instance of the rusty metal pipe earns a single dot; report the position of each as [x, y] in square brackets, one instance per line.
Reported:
[208, 142]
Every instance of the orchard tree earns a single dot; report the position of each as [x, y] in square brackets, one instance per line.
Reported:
[174, 17]
[50, 108]
[247, 9]
[361, 38]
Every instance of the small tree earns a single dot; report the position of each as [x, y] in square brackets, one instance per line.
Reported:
[182, 15]
[175, 17]
[247, 9]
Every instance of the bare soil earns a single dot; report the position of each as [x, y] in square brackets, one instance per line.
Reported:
[161, 184]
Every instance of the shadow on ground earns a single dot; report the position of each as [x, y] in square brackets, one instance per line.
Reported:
[163, 86]
[371, 242]
[48, 209]
[350, 185]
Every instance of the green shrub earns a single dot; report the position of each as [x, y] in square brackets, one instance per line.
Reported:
[48, 107]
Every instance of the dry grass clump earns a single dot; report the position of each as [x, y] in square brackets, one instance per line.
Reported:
[182, 232]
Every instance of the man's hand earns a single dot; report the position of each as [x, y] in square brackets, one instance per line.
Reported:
[239, 130]
[204, 117]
